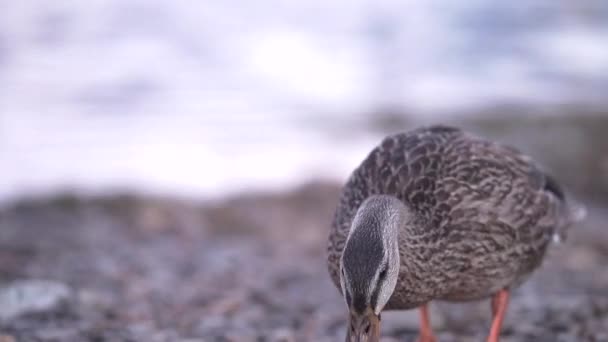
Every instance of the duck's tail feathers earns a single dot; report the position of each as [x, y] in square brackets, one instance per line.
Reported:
[574, 213]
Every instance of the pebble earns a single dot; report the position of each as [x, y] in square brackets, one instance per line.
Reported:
[27, 296]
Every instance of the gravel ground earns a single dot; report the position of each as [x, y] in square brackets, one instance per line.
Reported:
[249, 268]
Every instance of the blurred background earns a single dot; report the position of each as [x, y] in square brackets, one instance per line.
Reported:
[170, 168]
[180, 97]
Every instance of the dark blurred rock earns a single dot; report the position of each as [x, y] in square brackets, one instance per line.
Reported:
[278, 216]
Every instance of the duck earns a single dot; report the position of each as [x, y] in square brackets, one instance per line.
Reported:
[440, 214]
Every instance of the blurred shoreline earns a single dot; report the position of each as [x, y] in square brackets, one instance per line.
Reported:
[567, 140]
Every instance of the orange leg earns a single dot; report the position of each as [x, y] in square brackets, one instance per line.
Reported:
[499, 308]
[426, 332]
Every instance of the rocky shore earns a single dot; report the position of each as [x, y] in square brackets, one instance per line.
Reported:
[249, 268]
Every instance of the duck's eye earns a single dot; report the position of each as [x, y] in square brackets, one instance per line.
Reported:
[382, 275]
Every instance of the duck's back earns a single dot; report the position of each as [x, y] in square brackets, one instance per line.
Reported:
[483, 205]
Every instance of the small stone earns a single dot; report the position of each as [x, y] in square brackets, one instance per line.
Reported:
[28, 296]
[7, 338]
[282, 335]
[213, 323]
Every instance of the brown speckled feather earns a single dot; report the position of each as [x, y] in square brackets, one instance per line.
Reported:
[485, 213]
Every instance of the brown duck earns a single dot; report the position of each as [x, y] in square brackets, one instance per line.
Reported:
[439, 214]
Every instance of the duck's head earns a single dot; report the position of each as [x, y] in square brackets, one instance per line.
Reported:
[370, 262]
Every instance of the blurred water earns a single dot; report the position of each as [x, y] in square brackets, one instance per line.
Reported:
[201, 98]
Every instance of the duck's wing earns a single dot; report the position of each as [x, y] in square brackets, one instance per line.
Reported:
[502, 196]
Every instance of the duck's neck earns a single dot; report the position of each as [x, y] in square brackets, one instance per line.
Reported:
[386, 223]
[380, 217]
[383, 219]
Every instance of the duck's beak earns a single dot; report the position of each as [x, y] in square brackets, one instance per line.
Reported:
[363, 327]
